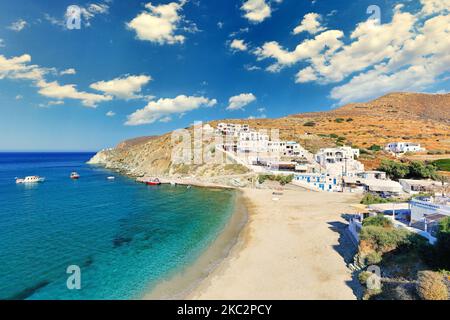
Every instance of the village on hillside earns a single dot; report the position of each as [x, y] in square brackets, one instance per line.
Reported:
[415, 204]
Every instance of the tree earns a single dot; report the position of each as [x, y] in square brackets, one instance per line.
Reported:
[443, 244]
[418, 169]
[395, 170]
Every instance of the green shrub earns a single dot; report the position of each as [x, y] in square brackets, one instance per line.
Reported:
[363, 276]
[420, 170]
[379, 221]
[442, 247]
[349, 120]
[395, 170]
[282, 179]
[339, 120]
[370, 198]
[430, 286]
[375, 147]
[373, 258]
[383, 240]
[309, 124]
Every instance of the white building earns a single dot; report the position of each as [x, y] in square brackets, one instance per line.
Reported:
[402, 147]
[286, 148]
[416, 186]
[232, 129]
[423, 208]
[340, 161]
[252, 142]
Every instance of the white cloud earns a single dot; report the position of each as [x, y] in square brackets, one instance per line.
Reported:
[256, 10]
[163, 108]
[159, 23]
[2, 43]
[240, 101]
[18, 68]
[69, 91]
[110, 114]
[127, 87]
[323, 45]
[430, 7]
[311, 23]
[68, 71]
[250, 67]
[19, 97]
[376, 58]
[56, 103]
[18, 25]
[238, 45]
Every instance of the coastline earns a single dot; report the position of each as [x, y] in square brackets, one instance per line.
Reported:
[292, 248]
[180, 283]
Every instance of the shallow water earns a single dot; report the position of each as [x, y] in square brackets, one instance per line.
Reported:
[126, 237]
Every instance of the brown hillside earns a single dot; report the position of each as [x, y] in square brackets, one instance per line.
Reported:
[421, 118]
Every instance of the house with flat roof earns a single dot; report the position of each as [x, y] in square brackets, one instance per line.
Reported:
[402, 147]
[412, 186]
[340, 161]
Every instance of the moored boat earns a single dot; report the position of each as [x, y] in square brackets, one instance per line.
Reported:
[153, 182]
[30, 179]
[74, 176]
[111, 178]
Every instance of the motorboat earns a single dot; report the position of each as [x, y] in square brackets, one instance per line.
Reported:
[30, 179]
[74, 176]
[153, 182]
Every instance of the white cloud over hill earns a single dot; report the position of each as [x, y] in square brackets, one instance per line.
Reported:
[162, 109]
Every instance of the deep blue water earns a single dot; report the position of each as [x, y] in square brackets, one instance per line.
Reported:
[124, 236]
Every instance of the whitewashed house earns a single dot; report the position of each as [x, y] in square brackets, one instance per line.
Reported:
[340, 161]
[412, 186]
[402, 147]
[426, 213]
[253, 142]
[232, 129]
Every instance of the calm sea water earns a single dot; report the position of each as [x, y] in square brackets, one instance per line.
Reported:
[124, 236]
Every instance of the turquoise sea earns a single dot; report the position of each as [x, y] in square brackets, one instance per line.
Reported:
[125, 237]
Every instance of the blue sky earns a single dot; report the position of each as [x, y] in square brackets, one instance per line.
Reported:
[141, 68]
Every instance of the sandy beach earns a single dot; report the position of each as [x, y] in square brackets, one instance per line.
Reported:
[293, 248]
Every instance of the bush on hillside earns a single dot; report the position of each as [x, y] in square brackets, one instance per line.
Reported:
[309, 124]
[370, 198]
[420, 170]
[394, 170]
[378, 221]
[442, 247]
[430, 286]
[282, 179]
[383, 240]
[375, 147]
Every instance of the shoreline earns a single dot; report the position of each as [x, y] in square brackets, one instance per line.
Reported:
[180, 283]
[292, 248]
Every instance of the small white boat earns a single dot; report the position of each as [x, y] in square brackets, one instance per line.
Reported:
[111, 178]
[74, 176]
[173, 183]
[30, 179]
